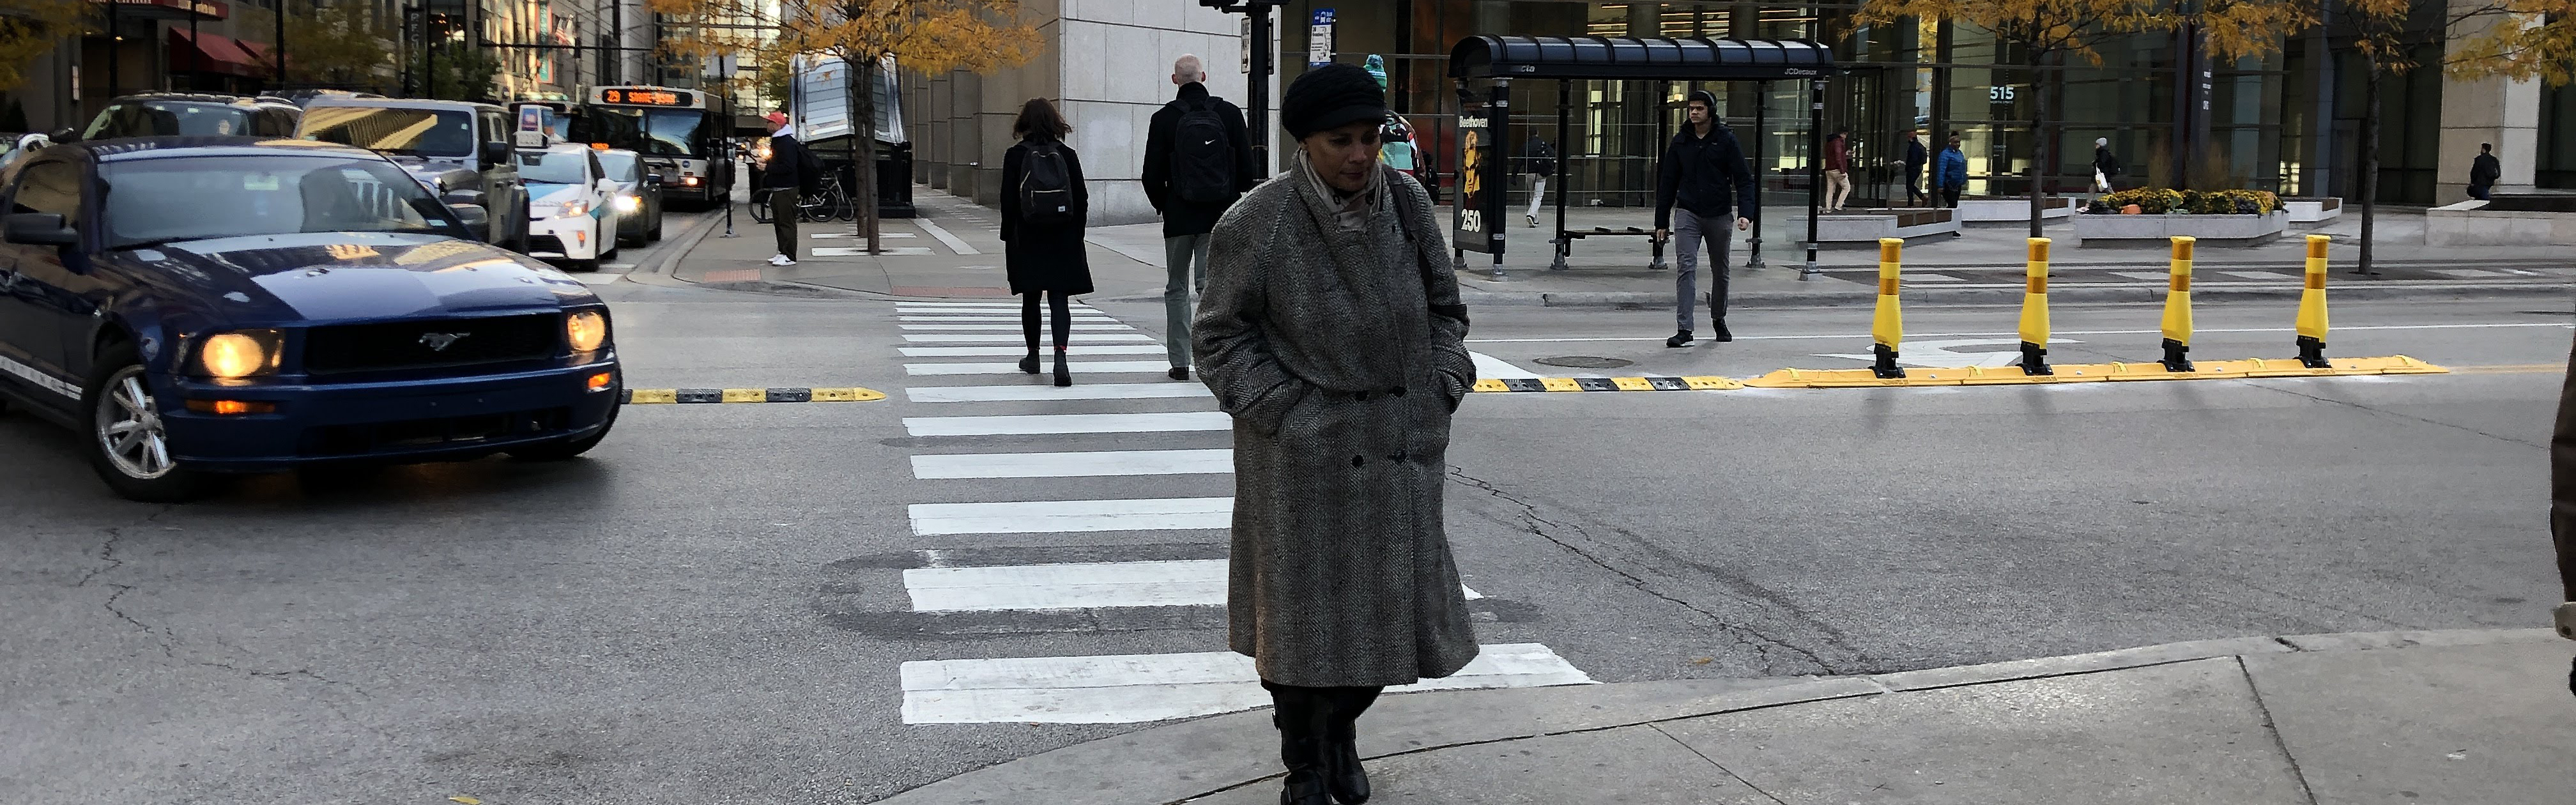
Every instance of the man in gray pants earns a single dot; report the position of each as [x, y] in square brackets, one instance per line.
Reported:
[1198, 160]
[1705, 174]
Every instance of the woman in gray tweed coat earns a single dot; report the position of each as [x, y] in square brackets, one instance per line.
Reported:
[1331, 330]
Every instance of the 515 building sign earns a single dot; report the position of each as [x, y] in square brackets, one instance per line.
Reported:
[1481, 180]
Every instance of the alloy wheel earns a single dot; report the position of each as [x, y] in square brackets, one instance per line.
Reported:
[129, 428]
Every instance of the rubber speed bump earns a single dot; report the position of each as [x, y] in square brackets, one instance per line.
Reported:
[2091, 372]
[1694, 383]
[770, 395]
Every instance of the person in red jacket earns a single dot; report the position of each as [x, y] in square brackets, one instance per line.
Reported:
[1838, 185]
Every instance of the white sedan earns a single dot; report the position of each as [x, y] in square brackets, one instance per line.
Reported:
[572, 212]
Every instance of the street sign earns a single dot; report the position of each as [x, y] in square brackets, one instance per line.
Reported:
[1319, 39]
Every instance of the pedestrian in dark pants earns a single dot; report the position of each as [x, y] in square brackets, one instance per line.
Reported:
[2562, 505]
[2483, 173]
[791, 168]
[1704, 173]
[2105, 165]
[1043, 211]
[1915, 158]
[1950, 177]
[1333, 334]
[1198, 160]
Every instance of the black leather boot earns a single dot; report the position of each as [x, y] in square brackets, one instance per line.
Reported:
[1300, 714]
[1342, 772]
[1063, 373]
[1029, 365]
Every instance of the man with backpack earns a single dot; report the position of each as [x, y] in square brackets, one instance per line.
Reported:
[793, 170]
[1198, 160]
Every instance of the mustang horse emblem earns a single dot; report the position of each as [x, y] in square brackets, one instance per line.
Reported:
[439, 342]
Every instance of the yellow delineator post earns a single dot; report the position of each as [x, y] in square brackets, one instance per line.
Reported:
[2312, 308]
[1887, 327]
[2177, 326]
[2034, 313]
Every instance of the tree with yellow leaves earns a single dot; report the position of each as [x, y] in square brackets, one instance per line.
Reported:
[32, 28]
[928, 36]
[344, 44]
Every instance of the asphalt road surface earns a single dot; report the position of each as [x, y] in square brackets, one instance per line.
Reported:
[719, 604]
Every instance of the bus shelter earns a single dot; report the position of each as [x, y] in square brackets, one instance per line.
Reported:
[1485, 142]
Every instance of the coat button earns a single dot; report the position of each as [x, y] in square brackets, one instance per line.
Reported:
[1397, 391]
[1356, 461]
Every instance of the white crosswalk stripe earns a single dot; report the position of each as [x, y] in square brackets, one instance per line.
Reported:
[1073, 465]
[1073, 584]
[1129, 688]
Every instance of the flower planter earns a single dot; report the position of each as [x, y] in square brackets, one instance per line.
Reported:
[2312, 210]
[2008, 211]
[1858, 229]
[2157, 231]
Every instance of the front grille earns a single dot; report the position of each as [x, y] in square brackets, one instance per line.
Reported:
[427, 434]
[430, 344]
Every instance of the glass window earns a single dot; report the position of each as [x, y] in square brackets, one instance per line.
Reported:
[553, 167]
[660, 132]
[188, 198]
[621, 166]
[49, 187]
[166, 118]
[410, 132]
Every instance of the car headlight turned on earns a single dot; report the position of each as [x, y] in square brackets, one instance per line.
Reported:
[573, 209]
[586, 330]
[630, 203]
[239, 354]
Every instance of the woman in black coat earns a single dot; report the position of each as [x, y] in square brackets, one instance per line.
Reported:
[1043, 207]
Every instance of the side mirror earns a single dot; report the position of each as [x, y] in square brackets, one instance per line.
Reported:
[64, 136]
[469, 197]
[472, 216]
[40, 229]
[653, 179]
[495, 153]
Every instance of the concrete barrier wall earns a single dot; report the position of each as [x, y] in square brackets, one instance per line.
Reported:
[2464, 224]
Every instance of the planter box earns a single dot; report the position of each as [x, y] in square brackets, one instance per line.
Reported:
[2157, 231]
[2469, 224]
[2312, 210]
[1863, 229]
[2002, 211]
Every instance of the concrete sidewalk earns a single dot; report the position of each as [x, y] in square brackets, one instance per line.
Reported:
[2468, 716]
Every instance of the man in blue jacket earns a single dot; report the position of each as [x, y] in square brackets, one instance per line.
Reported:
[1951, 177]
[1704, 173]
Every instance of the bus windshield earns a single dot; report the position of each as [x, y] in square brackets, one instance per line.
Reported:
[656, 132]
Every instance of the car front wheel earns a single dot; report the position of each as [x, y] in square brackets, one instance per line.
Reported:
[129, 444]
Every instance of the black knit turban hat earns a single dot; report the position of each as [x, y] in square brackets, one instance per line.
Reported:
[1331, 97]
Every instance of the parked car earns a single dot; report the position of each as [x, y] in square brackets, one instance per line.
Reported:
[572, 210]
[165, 114]
[637, 197]
[197, 306]
[459, 150]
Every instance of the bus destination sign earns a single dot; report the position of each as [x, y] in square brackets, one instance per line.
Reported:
[645, 97]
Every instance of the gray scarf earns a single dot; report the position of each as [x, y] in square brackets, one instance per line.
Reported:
[1373, 273]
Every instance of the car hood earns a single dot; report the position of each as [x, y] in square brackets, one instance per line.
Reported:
[347, 276]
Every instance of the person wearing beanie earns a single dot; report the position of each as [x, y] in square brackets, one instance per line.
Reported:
[2105, 165]
[1332, 333]
[1705, 174]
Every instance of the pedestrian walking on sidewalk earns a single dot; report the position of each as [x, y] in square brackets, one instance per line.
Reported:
[1043, 211]
[1333, 334]
[1705, 174]
[793, 170]
[1915, 158]
[1838, 184]
[1542, 164]
[1950, 177]
[1198, 160]
[2105, 165]
[2483, 173]
[2562, 506]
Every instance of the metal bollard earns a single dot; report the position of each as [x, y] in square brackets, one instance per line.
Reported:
[2177, 326]
[2312, 308]
[1887, 326]
[2034, 313]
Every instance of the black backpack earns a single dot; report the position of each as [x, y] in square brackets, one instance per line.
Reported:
[1542, 158]
[810, 172]
[1046, 186]
[1202, 156]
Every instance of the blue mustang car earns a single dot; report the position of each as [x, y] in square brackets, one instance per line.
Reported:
[202, 305]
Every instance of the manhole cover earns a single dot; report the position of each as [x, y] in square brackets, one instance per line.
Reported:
[1584, 362]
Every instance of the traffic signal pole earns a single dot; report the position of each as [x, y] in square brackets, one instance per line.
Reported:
[1257, 81]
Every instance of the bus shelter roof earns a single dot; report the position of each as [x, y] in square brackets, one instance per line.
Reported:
[1624, 58]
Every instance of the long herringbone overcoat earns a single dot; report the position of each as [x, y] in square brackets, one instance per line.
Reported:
[1339, 348]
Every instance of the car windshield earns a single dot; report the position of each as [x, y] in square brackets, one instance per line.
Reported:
[391, 130]
[619, 166]
[189, 198]
[550, 167]
[660, 132]
[167, 118]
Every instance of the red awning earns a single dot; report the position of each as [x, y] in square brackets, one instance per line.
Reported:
[210, 53]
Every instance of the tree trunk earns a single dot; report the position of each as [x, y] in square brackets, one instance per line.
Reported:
[2369, 166]
[863, 149]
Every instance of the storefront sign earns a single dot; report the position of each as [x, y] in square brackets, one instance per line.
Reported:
[1319, 39]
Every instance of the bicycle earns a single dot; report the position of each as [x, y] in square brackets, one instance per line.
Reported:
[760, 205]
[824, 206]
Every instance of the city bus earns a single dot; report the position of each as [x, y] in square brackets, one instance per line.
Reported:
[681, 134]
